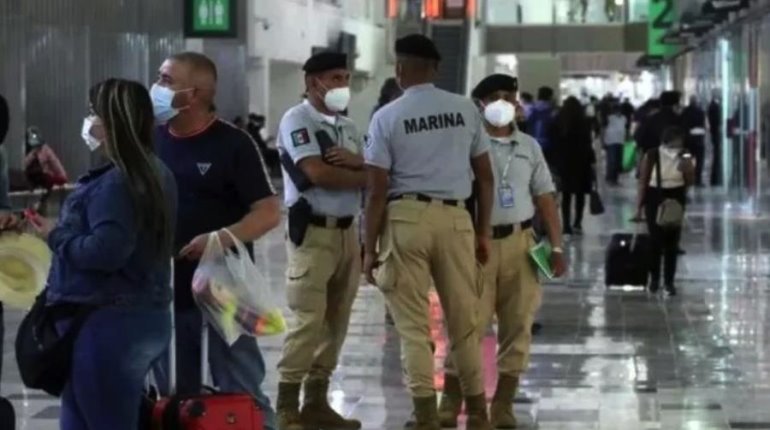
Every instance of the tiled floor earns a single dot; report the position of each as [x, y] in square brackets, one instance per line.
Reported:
[606, 359]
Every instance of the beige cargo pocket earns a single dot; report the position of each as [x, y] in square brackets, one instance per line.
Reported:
[385, 273]
[464, 224]
[299, 286]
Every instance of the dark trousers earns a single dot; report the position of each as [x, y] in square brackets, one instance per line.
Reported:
[716, 161]
[566, 209]
[698, 150]
[664, 241]
[614, 162]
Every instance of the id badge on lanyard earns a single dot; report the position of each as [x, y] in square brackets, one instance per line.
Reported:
[505, 194]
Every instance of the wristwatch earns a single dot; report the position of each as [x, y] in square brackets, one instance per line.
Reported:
[557, 250]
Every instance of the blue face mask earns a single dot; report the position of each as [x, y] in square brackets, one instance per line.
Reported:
[162, 102]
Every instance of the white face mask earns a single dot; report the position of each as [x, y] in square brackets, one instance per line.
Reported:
[337, 99]
[92, 142]
[499, 113]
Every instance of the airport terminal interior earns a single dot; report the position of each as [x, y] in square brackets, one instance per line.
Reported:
[602, 356]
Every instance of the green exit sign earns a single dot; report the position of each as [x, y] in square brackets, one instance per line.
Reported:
[210, 18]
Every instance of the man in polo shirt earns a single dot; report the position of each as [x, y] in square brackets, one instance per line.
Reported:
[324, 266]
[523, 185]
[421, 153]
[222, 184]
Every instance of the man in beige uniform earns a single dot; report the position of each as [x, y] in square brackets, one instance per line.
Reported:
[421, 152]
[323, 174]
[512, 291]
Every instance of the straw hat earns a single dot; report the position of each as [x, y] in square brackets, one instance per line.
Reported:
[24, 264]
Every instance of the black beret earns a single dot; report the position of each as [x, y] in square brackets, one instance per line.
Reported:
[493, 83]
[324, 61]
[417, 45]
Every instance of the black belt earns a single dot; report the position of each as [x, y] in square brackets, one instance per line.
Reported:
[428, 199]
[505, 230]
[331, 222]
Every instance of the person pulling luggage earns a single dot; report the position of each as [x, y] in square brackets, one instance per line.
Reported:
[666, 174]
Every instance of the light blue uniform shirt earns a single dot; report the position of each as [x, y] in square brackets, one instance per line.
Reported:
[518, 163]
[426, 139]
[296, 136]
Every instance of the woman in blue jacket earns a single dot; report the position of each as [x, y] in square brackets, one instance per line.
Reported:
[112, 249]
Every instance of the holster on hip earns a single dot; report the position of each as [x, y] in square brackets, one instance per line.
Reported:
[299, 219]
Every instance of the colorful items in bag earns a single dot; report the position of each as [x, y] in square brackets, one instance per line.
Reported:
[233, 317]
[629, 156]
[232, 293]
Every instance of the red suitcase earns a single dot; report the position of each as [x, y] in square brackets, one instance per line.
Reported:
[210, 410]
[215, 411]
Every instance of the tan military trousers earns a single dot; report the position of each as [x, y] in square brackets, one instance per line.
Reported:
[423, 241]
[512, 292]
[322, 280]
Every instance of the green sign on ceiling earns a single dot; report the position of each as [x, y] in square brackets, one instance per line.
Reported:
[210, 18]
[662, 17]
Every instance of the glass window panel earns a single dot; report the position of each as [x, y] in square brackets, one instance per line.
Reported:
[508, 12]
[638, 10]
[589, 11]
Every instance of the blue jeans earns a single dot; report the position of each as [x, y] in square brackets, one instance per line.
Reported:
[239, 368]
[112, 357]
[614, 162]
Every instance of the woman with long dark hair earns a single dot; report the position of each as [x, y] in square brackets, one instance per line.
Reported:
[112, 251]
[575, 159]
[666, 174]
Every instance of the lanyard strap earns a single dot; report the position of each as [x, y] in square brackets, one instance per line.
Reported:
[507, 166]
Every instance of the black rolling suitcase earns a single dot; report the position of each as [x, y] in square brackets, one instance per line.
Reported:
[627, 260]
[7, 415]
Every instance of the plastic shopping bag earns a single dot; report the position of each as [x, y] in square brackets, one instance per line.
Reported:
[629, 156]
[232, 293]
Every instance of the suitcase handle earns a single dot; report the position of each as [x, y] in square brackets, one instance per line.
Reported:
[172, 371]
[639, 229]
[172, 345]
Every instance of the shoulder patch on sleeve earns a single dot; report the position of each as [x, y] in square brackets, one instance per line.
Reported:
[300, 137]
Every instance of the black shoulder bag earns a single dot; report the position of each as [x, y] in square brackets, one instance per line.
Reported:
[43, 354]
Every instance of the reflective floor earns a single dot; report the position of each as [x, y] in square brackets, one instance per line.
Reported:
[606, 359]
